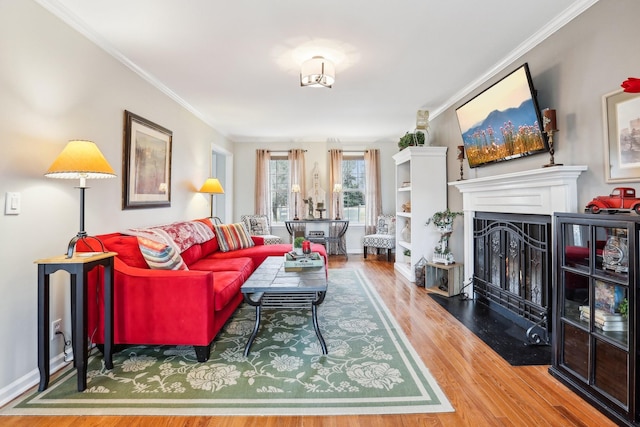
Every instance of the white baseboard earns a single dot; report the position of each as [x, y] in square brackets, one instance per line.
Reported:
[26, 382]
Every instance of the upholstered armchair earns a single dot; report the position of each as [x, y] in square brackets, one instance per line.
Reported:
[385, 237]
[258, 225]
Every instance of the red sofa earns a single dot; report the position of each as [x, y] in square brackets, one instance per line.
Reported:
[173, 307]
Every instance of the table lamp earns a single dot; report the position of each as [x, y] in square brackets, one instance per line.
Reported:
[337, 188]
[212, 186]
[80, 160]
[295, 189]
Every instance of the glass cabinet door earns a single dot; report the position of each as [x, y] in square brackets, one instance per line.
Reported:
[594, 295]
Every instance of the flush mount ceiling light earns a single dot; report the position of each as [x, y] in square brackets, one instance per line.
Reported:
[317, 72]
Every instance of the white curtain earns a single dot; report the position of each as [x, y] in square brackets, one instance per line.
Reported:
[373, 196]
[297, 177]
[262, 199]
[335, 177]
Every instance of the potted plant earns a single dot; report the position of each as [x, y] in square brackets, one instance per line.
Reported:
[297, 245]
[409, 139]
[443, 221]
[623, 308]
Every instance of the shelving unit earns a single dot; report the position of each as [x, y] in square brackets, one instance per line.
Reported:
[595, 347]
[421, 180]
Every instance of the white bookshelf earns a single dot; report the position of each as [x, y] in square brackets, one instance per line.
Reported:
[421, 179]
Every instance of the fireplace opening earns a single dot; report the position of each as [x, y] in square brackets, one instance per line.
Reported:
[512, 269]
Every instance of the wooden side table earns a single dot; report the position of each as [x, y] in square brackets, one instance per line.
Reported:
[78, 268]
[444, 279]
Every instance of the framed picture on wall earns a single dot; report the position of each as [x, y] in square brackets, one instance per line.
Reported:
[146, 164]
[621, 111]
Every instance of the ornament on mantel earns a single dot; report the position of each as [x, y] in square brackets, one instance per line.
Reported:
[631, 85]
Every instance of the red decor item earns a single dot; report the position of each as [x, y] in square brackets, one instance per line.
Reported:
[631, 85]
[306, 247]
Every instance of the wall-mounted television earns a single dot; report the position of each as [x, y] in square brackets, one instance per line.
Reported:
[503, 122]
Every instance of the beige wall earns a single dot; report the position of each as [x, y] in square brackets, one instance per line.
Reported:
[55, 85]
[244, 177]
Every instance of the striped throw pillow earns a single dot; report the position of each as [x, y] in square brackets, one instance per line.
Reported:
[232, 236]
[160, 256]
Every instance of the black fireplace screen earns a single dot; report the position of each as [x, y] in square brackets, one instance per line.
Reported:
[513, 265]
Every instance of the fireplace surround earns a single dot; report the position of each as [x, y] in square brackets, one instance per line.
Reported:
[511, 214]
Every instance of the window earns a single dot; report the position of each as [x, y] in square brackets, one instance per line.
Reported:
[280, 188]
[353, 188]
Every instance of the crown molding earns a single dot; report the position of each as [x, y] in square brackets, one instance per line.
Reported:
[554, 25]
[74, 22]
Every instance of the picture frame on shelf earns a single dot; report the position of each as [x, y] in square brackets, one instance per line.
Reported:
[621, 123]
[146, 164]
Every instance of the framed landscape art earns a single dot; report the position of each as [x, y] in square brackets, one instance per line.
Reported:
[146, 164]
[621, 121]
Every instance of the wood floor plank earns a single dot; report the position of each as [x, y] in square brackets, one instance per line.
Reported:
[483, 388]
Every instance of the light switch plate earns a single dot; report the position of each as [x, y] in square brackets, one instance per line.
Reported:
[12, 204]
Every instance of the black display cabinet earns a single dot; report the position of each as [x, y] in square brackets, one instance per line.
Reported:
[595, 332]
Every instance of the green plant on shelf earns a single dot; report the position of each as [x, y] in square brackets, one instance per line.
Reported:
[623, 308]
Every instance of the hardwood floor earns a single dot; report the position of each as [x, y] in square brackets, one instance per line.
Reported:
[483, 388]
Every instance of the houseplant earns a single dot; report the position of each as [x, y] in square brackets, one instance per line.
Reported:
[297, 245]
[409, 139]
[443, 221]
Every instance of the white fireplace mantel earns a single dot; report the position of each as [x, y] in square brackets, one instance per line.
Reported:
[539, 191]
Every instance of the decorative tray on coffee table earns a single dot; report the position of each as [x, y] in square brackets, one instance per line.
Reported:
[295, 262]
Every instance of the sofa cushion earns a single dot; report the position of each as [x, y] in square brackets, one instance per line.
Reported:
[193, 254]
[160, 256]
[226, 285]
[232, 237]
[127, 249]
[244, 265]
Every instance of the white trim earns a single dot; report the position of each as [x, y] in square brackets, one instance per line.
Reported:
[539, 191]
[77, 24]
[554, 25]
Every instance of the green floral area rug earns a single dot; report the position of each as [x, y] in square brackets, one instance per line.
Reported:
[370, 368]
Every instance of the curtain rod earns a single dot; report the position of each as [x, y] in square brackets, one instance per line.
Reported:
[351, 151]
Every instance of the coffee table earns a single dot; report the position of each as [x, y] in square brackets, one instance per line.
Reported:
[270, 286]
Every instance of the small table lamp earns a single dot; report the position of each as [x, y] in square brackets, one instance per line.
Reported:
[295, 189]
[212, 186]
[80, 160]
[337, 188]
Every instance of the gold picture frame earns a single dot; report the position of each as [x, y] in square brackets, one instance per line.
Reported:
[621, 121]
[146, 164]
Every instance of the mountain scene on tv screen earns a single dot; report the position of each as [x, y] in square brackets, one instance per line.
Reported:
[504, 134]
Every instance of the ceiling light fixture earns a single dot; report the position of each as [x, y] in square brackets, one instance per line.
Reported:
[317, 72]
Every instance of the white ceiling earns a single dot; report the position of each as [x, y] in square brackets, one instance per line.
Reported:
[236, 63]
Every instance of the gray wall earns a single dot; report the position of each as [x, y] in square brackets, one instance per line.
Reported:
[571, 70]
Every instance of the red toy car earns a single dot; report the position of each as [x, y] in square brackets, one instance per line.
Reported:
[621, 199]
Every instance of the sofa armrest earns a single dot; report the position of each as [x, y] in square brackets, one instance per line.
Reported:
[158, 306]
